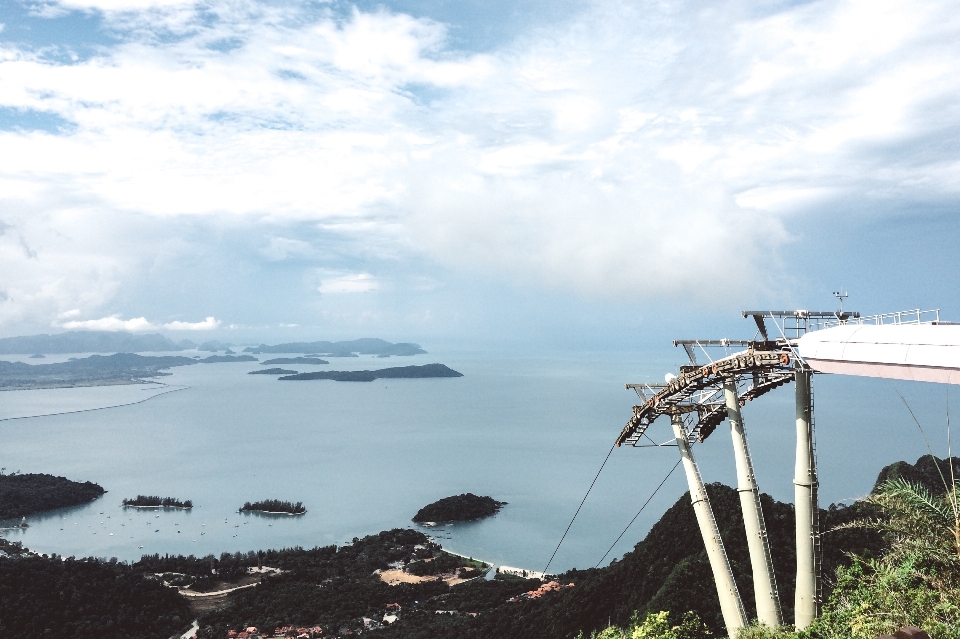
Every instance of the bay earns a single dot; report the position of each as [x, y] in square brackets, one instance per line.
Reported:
[530, 429]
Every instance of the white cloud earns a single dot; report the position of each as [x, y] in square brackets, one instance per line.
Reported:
[114, 323]
[208, 324]
[627, 152]
[121, 5]
[110, 324]
[348, 283]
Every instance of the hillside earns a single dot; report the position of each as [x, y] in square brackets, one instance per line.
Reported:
[668, 570]
[929, 471]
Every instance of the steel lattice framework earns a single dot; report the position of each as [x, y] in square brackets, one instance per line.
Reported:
[697, 393]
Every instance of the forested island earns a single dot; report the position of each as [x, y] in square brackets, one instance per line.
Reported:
[97, 370]
[295, 360]
[365, 346]
[272, 371]
[400, 372]
[153, 501]
[22, 495]
[275, 506]
[466, 507]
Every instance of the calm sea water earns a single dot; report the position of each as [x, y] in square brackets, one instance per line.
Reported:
[528, 429]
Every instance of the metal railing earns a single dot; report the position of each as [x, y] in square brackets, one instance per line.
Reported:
[914, 316]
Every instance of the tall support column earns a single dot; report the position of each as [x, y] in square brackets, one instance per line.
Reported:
[805, 506]
[731, 606]
[764, 580]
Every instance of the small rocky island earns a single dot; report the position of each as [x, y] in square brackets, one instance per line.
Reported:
[153, 501]
[22, 495]
[467, 507]
[275, 507]
[272, 371]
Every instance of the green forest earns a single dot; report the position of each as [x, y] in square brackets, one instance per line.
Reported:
[153, 501]
[275, 506]
[22, 495]
[464, 507]
[52, 597]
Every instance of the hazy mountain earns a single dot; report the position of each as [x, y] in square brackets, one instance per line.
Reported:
[91, 342]
[365, 346]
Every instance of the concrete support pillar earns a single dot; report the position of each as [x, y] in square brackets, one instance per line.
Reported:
[805, 506]
[731, 606]
[764, 580]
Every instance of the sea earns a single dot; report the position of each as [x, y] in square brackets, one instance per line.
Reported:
[532, 429]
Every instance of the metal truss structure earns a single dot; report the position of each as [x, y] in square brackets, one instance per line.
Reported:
[704, 395]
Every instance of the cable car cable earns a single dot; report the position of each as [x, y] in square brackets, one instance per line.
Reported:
[638, 513]
[610, 452]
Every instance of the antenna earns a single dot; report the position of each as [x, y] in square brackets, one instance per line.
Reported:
[841, 295]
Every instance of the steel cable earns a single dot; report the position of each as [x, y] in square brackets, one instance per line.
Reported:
[610, 452]
[638, 513]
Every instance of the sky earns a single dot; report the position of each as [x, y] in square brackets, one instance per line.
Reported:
[597, 173]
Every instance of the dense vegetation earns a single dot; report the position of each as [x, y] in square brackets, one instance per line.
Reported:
[364, 346]
[52, 597]
[22, 495]
[153, 501]
[464, 507]
[399, 372]
[295, 360]
[275, 506]
[335, 587]
[272, 371]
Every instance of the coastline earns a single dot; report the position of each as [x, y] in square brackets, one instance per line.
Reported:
[78, 384]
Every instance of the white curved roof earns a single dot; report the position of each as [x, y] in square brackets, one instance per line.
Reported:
[921, 352]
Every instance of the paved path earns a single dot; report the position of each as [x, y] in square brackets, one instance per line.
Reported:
[192, 631]
[189, 593]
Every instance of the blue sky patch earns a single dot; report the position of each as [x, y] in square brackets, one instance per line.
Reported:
[12, 119]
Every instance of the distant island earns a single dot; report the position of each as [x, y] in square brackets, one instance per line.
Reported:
[91, 342]
[99, 370]
[218, 359]
[214, 346]
[295, 360]
[152, 501]
[466, 507]
[22, 495]
[275, 506]
[273, 371]
[365, 346]
[400, 372]
[37, 356]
